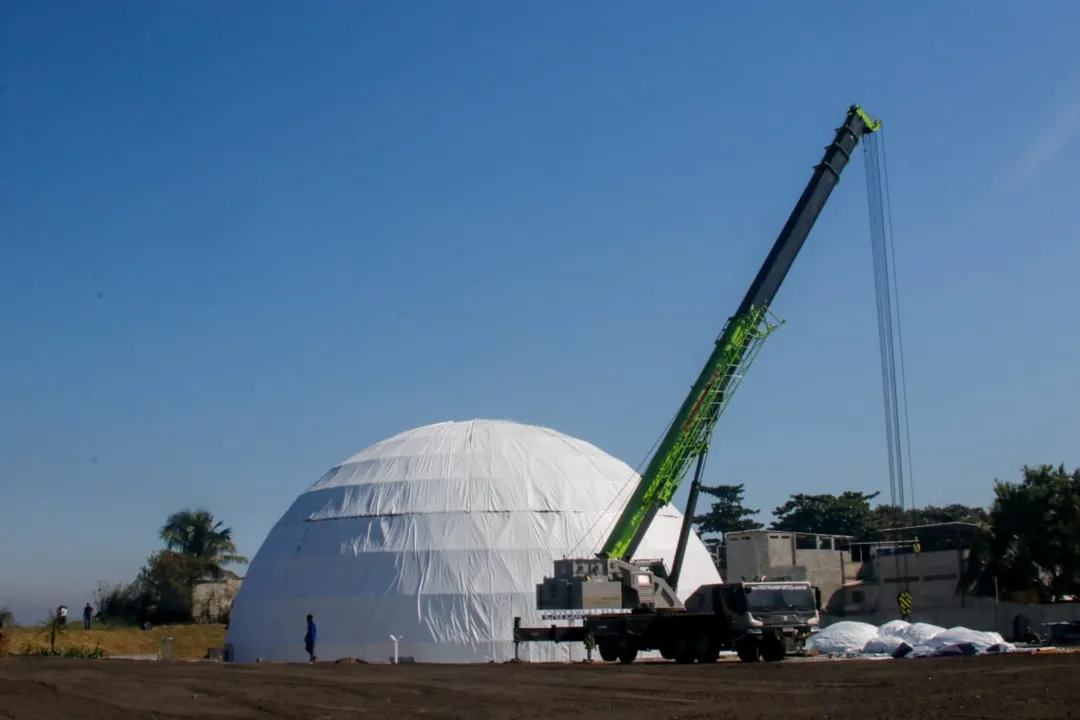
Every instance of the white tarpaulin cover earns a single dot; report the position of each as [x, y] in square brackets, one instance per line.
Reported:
[439, 536]
[845, 636]
[849, 637]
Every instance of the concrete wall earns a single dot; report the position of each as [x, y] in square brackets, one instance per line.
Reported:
[747, 556]
[211, 601]
[978, 613]
[825, 569]
[930, 577]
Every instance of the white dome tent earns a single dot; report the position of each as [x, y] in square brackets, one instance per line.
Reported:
[439, 536]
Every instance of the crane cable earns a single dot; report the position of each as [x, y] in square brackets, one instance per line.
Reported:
[890, 336]
[892, 355]
[627, 485]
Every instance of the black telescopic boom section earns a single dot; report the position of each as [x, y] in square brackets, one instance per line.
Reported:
[687, 523]
[790, 241]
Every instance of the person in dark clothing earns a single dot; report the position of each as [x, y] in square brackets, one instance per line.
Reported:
[87, 616]
[309, 639]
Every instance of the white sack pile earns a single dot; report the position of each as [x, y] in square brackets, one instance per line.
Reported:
[858, 638]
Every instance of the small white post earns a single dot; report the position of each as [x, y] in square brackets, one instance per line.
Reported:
[395, 639]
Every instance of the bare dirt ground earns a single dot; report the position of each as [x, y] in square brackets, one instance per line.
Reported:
[1010, 686]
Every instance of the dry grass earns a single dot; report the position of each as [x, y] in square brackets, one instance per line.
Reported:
[189, 641]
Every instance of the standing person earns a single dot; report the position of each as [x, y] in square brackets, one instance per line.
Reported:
[87, 616]
[61, 615]
[309, 639]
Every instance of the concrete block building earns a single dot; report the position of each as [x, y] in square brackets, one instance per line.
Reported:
[858, 578]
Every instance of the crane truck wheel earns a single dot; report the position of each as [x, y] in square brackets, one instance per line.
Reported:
[772, 648]
[620, 649]
[748, 649]
[710, 657]
[709, 654]
[702, 649]
[680, 649]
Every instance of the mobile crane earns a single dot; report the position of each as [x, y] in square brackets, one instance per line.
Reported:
[636, 599]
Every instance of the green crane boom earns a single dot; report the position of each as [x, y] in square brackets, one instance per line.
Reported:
[739, 342]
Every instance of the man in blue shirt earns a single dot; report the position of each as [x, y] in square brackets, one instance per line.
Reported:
[309, 638]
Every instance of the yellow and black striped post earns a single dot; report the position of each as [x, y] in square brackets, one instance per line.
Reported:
[904, 601]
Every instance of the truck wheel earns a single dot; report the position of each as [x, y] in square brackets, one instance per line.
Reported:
[710, 655]
[772, 648]
[682, 650]
[747, 649]
[609, 651]
[628, 655]
[704, 650]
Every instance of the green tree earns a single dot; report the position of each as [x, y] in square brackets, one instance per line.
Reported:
[727, 514]
[200, 536]
[955, 512]
[52, 627]
[887, 516]
[121, 603]
[846, 514]
[7, 618]
[165, 584]
[1032, 541]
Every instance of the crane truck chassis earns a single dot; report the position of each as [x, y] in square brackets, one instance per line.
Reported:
[758, 620]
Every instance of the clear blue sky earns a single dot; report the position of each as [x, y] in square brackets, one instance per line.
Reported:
[242, 241]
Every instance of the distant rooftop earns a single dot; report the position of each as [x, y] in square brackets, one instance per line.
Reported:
[933, 526]
[767, 531]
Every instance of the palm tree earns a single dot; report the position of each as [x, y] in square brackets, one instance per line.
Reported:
[7, 618]
[197, 534]
[53, 627]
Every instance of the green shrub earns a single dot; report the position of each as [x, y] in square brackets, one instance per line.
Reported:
[68, 652]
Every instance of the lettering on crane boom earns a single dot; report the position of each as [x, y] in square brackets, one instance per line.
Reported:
[904, 601]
